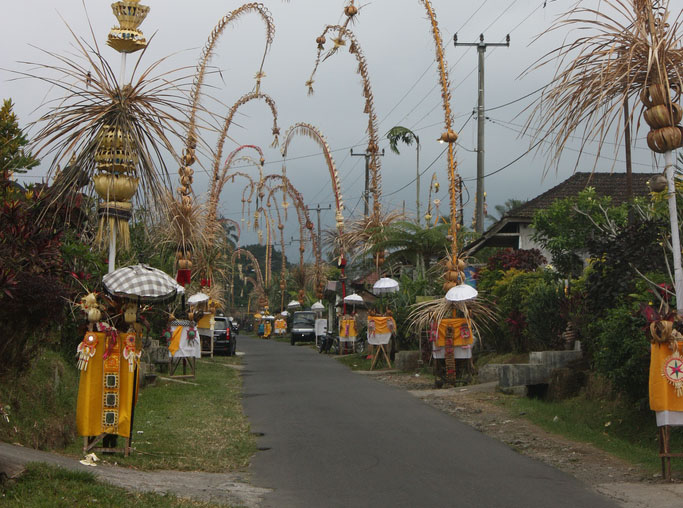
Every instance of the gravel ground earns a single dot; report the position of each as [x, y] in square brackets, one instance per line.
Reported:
[476, 405]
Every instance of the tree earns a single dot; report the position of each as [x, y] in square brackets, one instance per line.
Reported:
[411, 244]
[404, 135]
[506, 207]
[13, 158]
[567, 226]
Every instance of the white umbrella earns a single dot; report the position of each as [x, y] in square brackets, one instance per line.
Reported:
[385, 285]
[317, 306]
[354, 299]
[198, 298]
[284, 313]
[294, 304]
[140, 282]
[461, 293]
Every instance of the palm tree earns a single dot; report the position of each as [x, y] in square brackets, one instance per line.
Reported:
[405, 135]
[411, 244]
[509, 205]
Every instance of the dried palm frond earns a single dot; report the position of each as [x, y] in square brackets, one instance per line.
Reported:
[179, 225]
[361, 236]
[150, 112]
[629, 45]
[480, 313]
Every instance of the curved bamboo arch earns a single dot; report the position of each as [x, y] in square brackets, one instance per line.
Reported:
[207, 54]
[221, 178]
[312, 132]
[449, 136]
[228, 121]
[373, 139]
[255, 265]
[298, 200]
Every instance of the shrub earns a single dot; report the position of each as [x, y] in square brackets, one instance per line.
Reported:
[520, 259]
[622, 351]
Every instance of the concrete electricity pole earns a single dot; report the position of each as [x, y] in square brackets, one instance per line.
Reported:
[481, 49]
[318, 209]
[366, 193]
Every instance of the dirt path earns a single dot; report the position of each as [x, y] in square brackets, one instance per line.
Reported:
[475, 405]
[227, 489]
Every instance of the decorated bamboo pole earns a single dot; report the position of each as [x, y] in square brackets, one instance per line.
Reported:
[116, 159]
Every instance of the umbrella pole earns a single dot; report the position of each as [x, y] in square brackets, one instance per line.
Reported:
[132, 412]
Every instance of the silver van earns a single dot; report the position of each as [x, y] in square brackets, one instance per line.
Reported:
[303, 326]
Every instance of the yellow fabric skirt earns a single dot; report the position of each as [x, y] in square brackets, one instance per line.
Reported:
[662, 393]
[457, 328]
[105, 392]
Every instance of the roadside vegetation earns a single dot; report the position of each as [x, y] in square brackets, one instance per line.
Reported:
[43, 486]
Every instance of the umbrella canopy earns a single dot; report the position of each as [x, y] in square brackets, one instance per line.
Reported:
[198, 298]
[354, 299]
[294, 304]
[140, 282]
[385, 285]
[461, 293]
[284, 313]
[317, 306]
[257, 316]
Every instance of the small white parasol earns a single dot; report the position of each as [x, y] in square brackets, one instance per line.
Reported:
[198, 298]
[385, 285]
[461, 293]
[318, 306]
[354, 299]
[284, 313]
[294, 304]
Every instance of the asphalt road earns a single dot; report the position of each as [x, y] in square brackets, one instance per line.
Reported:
[334, 438]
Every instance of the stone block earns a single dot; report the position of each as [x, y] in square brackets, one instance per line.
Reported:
[488, 373]
[522, 374]
[554, 359]
[407, 361]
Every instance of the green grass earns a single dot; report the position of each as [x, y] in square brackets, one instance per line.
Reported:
[356, 361]
[189, 427]
[613, 426]
[43, 486]
[41, 404]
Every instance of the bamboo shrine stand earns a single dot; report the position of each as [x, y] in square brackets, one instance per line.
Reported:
[380, 330]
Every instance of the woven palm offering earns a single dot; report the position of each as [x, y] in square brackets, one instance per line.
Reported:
[127, 38]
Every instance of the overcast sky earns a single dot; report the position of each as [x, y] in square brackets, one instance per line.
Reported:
[397, 42]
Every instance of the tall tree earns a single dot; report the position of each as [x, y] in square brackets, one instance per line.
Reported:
[13, 157]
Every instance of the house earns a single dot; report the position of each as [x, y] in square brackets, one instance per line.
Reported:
[514, 229]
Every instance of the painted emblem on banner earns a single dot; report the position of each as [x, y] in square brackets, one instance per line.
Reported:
[673, 372]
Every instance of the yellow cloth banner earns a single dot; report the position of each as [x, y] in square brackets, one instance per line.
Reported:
[456, 328]
[347, 329]
[662, 393]
[267, 329]
[280, 324]
[105, 403]
[205, 321]
[174, 346]
[381, 324]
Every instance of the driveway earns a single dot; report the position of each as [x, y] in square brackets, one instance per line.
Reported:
[333, 438]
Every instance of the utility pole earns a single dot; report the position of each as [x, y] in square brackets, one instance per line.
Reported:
[318, 209]
[481, 49]
[366, 193]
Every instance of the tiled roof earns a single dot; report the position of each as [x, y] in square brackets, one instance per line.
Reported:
[605, 184]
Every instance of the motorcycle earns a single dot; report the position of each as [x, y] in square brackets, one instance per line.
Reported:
[328, 343]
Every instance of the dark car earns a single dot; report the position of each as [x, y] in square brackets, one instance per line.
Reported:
[303, 326]
[224, 340]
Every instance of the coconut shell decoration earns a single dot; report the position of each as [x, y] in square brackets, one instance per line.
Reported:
[662, 114]
[115, 184]
[455, 273]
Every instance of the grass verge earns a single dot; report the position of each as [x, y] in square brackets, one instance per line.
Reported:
[40, 405]
[43, 486]
[612, 425]
[190, 427]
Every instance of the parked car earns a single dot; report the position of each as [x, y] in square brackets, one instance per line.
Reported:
[224, 340]
[303, 326]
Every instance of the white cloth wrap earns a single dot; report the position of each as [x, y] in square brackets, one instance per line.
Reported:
[187, 349]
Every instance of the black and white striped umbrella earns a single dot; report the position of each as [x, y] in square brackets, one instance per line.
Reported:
[140, 282]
